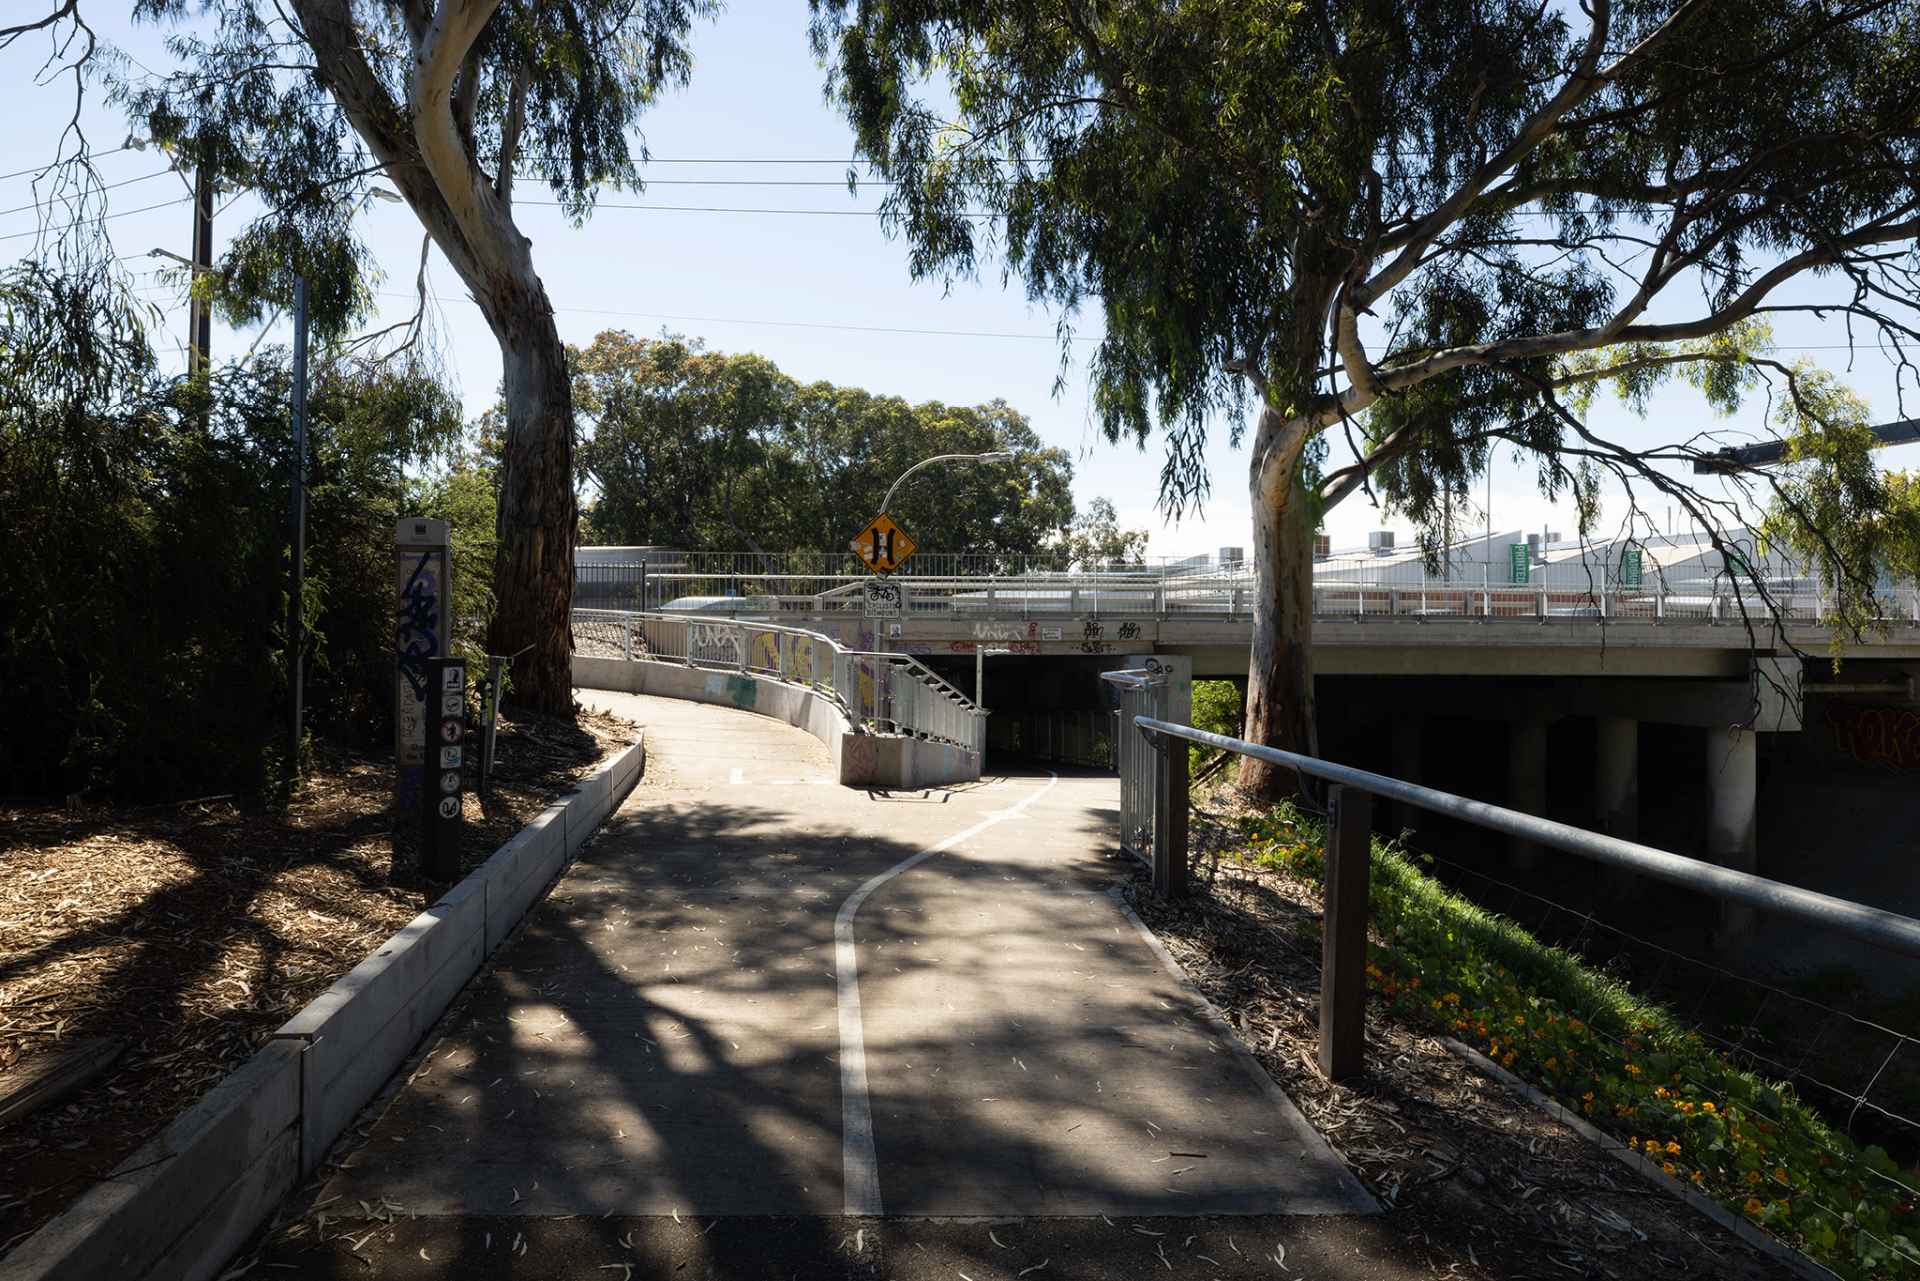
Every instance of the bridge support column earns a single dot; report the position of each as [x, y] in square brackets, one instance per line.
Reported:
[1616, 783]
[1732, 830]
[1526, 782]
[1406, 737]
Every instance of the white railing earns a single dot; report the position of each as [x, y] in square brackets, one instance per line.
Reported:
[880, 693]
[1555, 593]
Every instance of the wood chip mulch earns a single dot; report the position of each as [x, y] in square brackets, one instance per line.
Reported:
[1479, 1181]
[193, 930]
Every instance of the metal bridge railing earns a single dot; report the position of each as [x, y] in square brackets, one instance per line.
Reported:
[891, 693]
[1354, 591]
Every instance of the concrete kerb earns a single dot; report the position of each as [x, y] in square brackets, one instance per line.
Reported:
[181, 1205]
[186, 1200]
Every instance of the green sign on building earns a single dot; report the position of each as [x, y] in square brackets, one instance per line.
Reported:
[1630, 567]
[1519, 563]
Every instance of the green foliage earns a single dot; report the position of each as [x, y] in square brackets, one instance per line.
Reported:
[1446, 964]
[1492, 184]
[707, 451]
[1096, 540]
[143, 599]
[249, 101]
[1217, 708]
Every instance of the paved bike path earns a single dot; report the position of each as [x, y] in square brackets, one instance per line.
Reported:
[758, 995]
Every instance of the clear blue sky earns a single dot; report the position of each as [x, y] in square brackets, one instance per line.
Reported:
[729, 277]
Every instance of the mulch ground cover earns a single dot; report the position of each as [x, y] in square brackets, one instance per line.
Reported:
[191, 931]
[1477, 1180]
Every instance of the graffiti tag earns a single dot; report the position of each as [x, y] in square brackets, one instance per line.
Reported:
[1129, 631]
[1877, 735]
[417, 640]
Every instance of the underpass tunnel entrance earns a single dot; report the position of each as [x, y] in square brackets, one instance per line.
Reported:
[1046, 709]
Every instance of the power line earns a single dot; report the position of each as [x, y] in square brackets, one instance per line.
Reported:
[21, 173]
[125, 182]
[125, 213]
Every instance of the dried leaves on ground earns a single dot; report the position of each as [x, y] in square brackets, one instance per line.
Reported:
[1478, 1180]
[193, 930]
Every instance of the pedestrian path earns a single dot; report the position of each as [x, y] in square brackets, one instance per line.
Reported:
[755, 1000]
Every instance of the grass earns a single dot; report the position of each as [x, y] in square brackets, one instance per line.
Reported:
[1445, 964]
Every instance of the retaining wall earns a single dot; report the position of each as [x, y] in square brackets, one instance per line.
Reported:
[859, 760]
[177, 1209]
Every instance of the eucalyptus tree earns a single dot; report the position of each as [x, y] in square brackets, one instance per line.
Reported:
[1422, 226]
[451, 103]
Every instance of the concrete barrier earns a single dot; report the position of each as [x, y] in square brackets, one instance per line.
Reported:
[859, 760]
[180, 1206]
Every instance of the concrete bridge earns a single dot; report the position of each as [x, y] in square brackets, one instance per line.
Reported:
[1672, 705]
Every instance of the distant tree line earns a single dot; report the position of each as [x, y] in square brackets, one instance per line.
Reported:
[708, 451]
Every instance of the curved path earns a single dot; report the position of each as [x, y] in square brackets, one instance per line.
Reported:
[760, 1002]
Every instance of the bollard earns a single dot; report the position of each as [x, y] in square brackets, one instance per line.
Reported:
[1343, 942]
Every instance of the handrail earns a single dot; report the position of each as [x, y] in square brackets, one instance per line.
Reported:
[951, 716]
[1871, 924]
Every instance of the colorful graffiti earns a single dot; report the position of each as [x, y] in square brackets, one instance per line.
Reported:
[1887, 736]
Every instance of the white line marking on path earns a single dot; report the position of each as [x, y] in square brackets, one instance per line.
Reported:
[860, 1170]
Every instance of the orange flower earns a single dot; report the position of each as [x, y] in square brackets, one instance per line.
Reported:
[1673, 1148]
[1666, 1167]
[1753, 1206]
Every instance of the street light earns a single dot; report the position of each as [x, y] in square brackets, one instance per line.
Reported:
[996, 456]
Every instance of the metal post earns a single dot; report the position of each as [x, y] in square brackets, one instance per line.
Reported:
[296, 620]
[496, 670]
[199, 308]
[1170, 818]
[979, 674]
[1343, 943]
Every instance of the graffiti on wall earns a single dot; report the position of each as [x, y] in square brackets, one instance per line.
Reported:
[1888, 736]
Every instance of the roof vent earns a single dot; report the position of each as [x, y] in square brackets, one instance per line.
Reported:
[1380, 542]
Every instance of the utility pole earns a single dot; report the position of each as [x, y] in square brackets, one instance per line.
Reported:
[296, 623]
[200, 310]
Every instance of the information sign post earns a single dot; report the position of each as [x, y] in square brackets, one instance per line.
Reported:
[440, 802]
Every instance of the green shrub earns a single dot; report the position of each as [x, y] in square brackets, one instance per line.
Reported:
[1216, 709]
[1626, 1063]
[143, 593]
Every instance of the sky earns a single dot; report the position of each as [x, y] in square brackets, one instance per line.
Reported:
[824, 293]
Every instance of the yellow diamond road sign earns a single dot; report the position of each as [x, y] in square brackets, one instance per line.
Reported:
[883, 545]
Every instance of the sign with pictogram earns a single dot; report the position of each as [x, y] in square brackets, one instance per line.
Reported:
[440, 811]
[883, 545]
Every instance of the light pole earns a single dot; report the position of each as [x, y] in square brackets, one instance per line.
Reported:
[992, 456]
[996, 456]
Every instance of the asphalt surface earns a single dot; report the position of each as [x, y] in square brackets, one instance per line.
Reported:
[771, 1027]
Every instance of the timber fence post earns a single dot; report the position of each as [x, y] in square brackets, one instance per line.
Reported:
[1343, 955]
